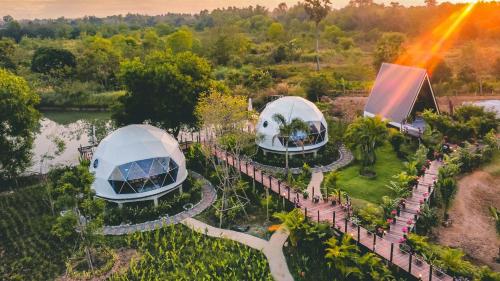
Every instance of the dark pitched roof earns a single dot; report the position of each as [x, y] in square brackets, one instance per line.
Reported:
[395, 91]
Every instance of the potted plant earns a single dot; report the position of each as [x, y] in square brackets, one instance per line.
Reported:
[305, 194]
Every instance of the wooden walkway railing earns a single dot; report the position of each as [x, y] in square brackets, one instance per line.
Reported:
[325, 211]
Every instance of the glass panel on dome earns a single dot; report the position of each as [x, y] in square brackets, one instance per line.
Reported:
[145, 165]
[137, 184]
[127, 189]
[157, 180]
[125, 169]
[116, 175]
[157, 168]
[116, 185]
[135, 172]
[164, 161]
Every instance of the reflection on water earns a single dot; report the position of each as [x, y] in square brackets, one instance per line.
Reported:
[74, 128]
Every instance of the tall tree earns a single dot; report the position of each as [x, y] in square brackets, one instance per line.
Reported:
[366, 134]
[163, 90]
[53, 61]
[83, 213]
[388, 48]
[228, 116]
[7, 48]
[317, 11]
[287, 130]
[19, 122]
[99, 61]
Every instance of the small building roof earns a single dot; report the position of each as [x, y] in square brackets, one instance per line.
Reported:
[396, 90]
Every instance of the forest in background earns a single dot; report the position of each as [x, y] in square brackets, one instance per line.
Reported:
[254, 51]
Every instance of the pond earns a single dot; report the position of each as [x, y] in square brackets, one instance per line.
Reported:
[72, 128]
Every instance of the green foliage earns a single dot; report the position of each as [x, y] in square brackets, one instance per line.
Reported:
[371, 216]
[495, 214]
[365, 189]
[180, 41]
[366, 134]
[346, 261]
[7, 49]
[449, 259]
[169, 204]
[287, 129]
[99, 61]
[152, 85]
[467, 74]
[427, 219]
[176, 253]
[317, 86]
[276, 32]
[468, 122]
[396, 138]
[29, 249]
[447, 187]
[442, 73]
[19, 121]
[388, 48]
[53, 61]
[294, 222]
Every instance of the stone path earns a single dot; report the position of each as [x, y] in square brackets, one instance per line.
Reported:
[335, 215]
[314, 186]
[208, 197]
[272, 249]
[345, 157]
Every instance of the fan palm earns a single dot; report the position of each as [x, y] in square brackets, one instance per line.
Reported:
[287, 129]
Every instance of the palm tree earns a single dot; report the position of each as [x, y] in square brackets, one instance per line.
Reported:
[287, 129]
[427, 219]
[366, 134]
[294, 222]
[373, 268]
[317, 11]
[447, 187]
[330, 181]
[342, 255]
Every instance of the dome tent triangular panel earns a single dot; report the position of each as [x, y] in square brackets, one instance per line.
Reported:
[291, 107]
[133, 162]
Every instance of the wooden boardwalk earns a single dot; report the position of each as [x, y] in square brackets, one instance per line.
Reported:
[324, 211]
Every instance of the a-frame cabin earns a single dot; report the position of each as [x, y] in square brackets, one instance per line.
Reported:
[399, 95]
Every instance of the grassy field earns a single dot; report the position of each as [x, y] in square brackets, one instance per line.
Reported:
[363, 189]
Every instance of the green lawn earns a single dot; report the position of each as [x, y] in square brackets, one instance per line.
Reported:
[364, 190]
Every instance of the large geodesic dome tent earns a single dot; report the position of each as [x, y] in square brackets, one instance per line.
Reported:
[137, 162]
[292, 107]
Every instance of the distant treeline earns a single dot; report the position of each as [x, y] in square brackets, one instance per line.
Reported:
[359, 15]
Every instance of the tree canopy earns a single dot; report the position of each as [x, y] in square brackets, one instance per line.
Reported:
[54, 61]
[163, 90]
[19, 122]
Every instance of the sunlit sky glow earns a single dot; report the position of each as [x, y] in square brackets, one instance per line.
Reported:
[419, 54]
[29, 9]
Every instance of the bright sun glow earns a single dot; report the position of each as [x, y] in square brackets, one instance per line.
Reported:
[426, 50]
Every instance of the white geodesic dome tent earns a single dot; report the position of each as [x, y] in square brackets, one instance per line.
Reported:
[292, 107]
[137, 162]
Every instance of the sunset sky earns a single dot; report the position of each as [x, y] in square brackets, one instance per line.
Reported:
[29, 9]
